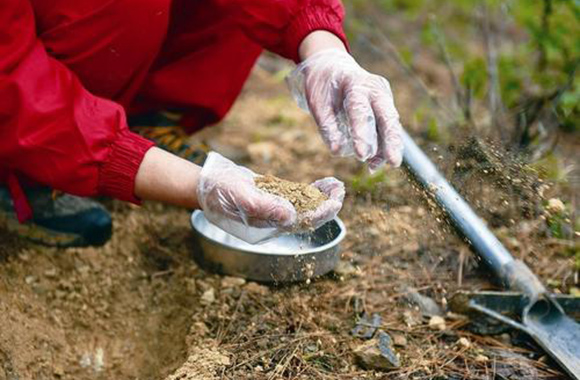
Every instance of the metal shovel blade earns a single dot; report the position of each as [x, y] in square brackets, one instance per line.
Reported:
[544, 321]
[541, 316]
[557, 333]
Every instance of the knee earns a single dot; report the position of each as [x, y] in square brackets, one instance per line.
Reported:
[105, 44]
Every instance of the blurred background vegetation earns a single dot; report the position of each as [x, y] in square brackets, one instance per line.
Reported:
[512, 64]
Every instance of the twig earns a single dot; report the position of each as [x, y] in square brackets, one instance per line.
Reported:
[461, 264]
[222, 334]
[495, 103]
[282, 368]
[543, 56]
[162, 273]
[407, 69]
[459, 92]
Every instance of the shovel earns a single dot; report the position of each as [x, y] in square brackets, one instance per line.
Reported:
[541, 316]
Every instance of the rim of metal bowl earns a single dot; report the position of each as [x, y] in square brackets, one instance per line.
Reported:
[334, 242]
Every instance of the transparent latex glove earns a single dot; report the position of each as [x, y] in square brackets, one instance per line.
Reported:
[230, 200]
[328, 210]
[354, 109]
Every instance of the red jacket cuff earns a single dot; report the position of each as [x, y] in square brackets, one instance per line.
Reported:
[308, 21]
[117, 174]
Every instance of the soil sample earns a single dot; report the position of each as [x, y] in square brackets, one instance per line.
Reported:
[303, 197]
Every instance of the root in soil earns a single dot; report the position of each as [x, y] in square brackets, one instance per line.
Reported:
[303, 197]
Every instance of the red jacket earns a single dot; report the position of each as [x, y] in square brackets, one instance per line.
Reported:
[69, 70]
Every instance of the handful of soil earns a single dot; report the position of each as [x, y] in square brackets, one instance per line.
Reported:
[303, 197]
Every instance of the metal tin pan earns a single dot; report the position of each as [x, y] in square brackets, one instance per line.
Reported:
[287, 258]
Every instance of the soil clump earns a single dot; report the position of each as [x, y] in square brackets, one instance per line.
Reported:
[303, 197]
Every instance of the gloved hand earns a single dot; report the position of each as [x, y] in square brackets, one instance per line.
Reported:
[334, 190]
[353, 108]
[230, 199]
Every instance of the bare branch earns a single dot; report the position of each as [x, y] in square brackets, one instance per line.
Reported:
[495, 103]
[392, 51]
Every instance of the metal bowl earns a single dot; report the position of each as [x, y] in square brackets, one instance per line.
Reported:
[287, 258]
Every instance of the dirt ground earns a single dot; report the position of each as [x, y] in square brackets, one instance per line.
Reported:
[140, 308]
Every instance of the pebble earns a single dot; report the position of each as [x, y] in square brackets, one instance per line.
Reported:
[399, 340]
[367, 325]
[58, 371]
[232, 282]
[464, 342]
[426, 304]
[410, 318]
[555, 206]
[437, 323]
[481, 358]
[345, 268]
[200, 328]
[51, 273]
[378, 353]
[208, 297]
[253, 287]
[506, 339]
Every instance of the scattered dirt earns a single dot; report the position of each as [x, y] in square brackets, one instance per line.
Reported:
[202, 363]
[304, 197]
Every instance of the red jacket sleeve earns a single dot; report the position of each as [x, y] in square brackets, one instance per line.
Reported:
[281, 25]
[52, 130]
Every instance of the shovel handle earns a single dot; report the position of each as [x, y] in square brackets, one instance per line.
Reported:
[487, 246]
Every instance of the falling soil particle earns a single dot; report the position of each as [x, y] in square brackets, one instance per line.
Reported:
[303, 197]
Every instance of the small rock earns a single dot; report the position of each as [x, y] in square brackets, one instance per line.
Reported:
[464, 342]
[253, 287]
[60, 294]
[345, 268]
[51, 273]
[373, 232]
[58, 372]
[99, 360]
[410, 318]
[505, 338]
[200, 328]
[426, 304]
[232, 282]
[378, 353]
[555, 206]
[366, 326]
[399, 340]
[208, 297]
[481, 358]
[24, 257]
[29, 279]
[437, 323]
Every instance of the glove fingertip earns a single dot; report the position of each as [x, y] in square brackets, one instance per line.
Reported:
[395, 157]
[287, 217]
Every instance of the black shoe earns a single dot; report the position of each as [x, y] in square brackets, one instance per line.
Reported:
[61, 221]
